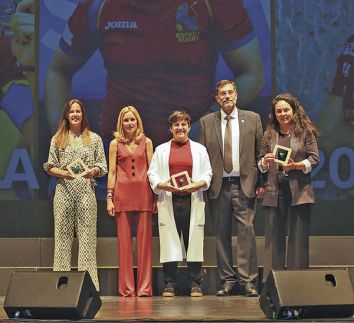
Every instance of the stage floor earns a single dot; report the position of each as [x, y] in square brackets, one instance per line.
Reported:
[177, 309]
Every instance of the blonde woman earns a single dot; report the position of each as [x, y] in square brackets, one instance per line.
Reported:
[129, 195]
[75, 206]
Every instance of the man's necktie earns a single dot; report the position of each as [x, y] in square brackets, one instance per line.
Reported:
[228, 146]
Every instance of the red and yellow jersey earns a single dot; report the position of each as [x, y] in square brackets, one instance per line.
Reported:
[15, 94]
[160, 55]
[9, 70]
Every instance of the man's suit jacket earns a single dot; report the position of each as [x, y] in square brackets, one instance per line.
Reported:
[250, 127]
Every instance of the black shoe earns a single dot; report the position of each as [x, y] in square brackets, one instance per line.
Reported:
[249, 290]
[169, 291]
[196, 291]
[228, 289]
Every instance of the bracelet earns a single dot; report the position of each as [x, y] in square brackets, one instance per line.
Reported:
[109, 197]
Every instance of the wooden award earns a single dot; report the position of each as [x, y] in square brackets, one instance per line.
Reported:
[181, 180]
[281, 154]
[77, 168]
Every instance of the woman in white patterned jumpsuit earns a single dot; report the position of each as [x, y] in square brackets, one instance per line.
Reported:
[75, 208]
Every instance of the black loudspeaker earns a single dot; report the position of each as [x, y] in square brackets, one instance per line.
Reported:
[307, 294]
[51, 295]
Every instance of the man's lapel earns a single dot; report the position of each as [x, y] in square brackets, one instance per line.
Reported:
[217, 125]
[242, 121]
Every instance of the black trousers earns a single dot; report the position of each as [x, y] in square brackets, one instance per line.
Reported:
[280, 221]
[182, 214]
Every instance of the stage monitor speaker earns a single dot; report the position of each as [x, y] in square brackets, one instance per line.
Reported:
[51, 295]
[313, 293]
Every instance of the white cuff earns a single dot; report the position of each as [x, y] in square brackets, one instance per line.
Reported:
[308, 166]
[262, 170]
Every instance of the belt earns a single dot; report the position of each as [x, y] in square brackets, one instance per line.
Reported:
[231, 179]
[181, 196]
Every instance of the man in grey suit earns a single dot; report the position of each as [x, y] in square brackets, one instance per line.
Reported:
[232, 138]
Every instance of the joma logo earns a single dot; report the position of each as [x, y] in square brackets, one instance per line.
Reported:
[118, 24]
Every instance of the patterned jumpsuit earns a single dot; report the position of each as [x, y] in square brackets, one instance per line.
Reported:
[75, 206]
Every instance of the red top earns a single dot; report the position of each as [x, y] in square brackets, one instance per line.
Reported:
[156, 53]
[132, 190]
[181, 158]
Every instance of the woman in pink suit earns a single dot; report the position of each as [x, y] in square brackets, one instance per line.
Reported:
[129, 195]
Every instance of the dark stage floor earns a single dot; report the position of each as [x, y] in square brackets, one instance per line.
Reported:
[177, 309]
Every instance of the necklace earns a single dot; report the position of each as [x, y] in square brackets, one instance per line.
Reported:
[131, 146]
[285, 132]
[74, 140]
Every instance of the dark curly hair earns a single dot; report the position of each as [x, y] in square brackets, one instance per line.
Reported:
[302, 122]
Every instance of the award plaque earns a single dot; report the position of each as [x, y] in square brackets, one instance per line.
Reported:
[77, 168]
[281, 154]
[181, 180]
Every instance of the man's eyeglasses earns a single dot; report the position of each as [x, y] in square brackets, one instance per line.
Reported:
[225, 93]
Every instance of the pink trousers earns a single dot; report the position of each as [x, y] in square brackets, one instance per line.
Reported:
[126, 285]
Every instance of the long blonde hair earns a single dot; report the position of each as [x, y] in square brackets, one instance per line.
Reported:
[61, 137]
[119, 134]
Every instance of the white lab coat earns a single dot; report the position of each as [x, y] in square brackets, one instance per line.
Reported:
[171, 247]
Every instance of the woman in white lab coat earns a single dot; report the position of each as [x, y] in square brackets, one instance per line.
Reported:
[181, 215]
